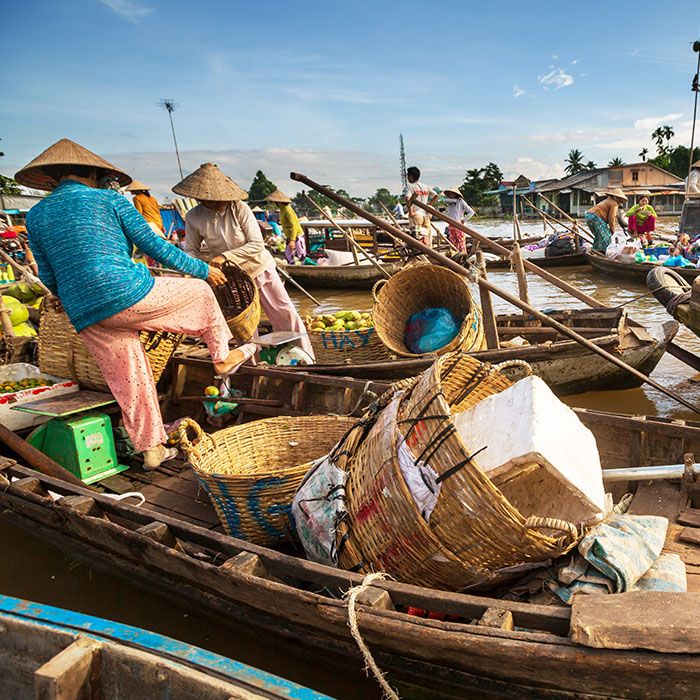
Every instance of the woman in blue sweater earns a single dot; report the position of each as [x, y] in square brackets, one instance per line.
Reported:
[82, 238]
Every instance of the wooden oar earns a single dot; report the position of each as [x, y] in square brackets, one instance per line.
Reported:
[289, 278]
[356, 246]
[575, 231]
[459, 269]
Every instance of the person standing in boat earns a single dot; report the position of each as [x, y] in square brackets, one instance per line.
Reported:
[601, 218]
[693, 180]
[82, 238]
[460, 211]
[418, 218]
[293, 232]
[641, 220]
[223, 227]
[147, 206]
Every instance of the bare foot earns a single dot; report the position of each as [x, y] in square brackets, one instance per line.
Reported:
[235, 358]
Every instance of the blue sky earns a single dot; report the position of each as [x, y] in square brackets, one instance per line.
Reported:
[325, 88]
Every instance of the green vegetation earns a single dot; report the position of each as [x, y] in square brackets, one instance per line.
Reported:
[9, 186]
[261, 187]
[480, 180]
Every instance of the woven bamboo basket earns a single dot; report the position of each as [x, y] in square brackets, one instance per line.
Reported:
[239, 300]
[63, 354]
[420, 287]
[347, 347]
[474, 535]
[252, 471]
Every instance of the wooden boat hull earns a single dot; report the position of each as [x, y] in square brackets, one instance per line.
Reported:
[672, 291]
[125, 661]
[632, 272]
[555, 261]
[566, 366]
[300, 601]
[339, 276]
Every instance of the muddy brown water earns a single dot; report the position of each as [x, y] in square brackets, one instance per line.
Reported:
[31, 569]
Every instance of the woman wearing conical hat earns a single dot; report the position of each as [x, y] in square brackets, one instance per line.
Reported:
[693, 179]
[82, 238]
[223, 227]
[147, 205]
[293, 232]
[602, 217]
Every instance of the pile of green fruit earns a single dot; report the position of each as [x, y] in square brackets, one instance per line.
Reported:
[22, 384]
[341, 321]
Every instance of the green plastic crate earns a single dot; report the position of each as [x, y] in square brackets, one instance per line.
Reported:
[84, 445]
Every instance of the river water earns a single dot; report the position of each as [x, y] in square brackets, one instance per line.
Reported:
[33, 570]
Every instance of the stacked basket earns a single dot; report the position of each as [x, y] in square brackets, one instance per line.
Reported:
[252, 471]
[63, 354]
[473, 536]
[239, 300]
[339, 347]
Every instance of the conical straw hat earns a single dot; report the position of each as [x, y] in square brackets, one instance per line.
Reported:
[454, 190]
[64, 152]
[696, 164]
[209, 184]
[615, 192]
[279, 197]
[137, 186]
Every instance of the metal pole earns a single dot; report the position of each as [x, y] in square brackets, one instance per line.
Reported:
[177, 152]
[696, 47]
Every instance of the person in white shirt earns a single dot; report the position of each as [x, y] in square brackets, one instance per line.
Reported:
[418, 218]
[458, 210]
[693, 180]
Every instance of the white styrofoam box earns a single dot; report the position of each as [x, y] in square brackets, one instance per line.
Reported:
[17, 420]
[536, 254]
[344, 257]
[539, 454]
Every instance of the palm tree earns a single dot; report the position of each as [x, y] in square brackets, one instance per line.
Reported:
[616, 162]
[590, 165]
[574, 162]
[643, 154]
[661, 134]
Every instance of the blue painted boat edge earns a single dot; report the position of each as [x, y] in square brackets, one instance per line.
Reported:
[157, 644]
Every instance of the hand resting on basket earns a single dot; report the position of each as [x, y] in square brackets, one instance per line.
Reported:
[216, 277]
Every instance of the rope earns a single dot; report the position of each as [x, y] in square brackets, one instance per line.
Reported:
[370, 663]
[513, 363]
[676, 301]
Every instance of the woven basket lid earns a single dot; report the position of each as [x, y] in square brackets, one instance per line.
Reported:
[137, 186]
[64, 152]
[615, 192]
[279, 197]
[209, 184]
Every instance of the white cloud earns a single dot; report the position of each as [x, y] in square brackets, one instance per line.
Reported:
[555, 79]
[533, 169]
[128, 9]
[555, 57]
[574, 62]
[650, 123]
[518, 91]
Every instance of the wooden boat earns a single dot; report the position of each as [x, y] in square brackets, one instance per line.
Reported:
[48, 652]
[172, 545]
[555, 261]
[564, 364]
[632, 272]
[677, 296]
[339, 276]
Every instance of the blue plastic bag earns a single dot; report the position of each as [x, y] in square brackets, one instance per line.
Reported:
[429, 330]
[677, 261]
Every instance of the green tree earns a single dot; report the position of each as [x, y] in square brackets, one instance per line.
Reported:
[677, 160]
[261, 187]
[480, 180]
[382, 196]
[616, 162]
[574, 162]
[590, 165]
[643, 154]
[660, 135]
[9, 186]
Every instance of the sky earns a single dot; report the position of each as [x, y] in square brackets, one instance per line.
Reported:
[325, 88]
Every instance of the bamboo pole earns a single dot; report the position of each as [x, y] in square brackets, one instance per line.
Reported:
[29, 274]
[289, 278]
[490, 326]
[459, 269]
[355, 245]
[575, 231]
[517, 259]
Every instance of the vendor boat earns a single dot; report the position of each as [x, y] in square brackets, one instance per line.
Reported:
[677, 296]
[564, 364]
[172, 546]
[43, 648]
[631, 271]
[569, 260]
[363, 276]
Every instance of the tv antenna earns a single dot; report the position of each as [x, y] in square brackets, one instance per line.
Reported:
[169, 106]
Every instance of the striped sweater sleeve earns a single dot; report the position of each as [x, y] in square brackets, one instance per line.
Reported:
[143, 237]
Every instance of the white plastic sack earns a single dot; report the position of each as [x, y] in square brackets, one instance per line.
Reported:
[318, 507]
[421, 480]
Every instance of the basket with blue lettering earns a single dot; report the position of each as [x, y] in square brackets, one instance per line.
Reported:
[252, 471]
[341, 346]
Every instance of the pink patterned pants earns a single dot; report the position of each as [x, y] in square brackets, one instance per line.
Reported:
[177, 305]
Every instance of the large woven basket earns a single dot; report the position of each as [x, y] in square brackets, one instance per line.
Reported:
[63, 354]
[239, 300]
[347, 347]
[474, 536]
[252, 471]
[420, 287]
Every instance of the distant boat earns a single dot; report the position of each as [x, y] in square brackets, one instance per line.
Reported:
[43, 648]
[633, 272]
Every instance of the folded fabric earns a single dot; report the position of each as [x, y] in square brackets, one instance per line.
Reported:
[625, 547]
[667, 573]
